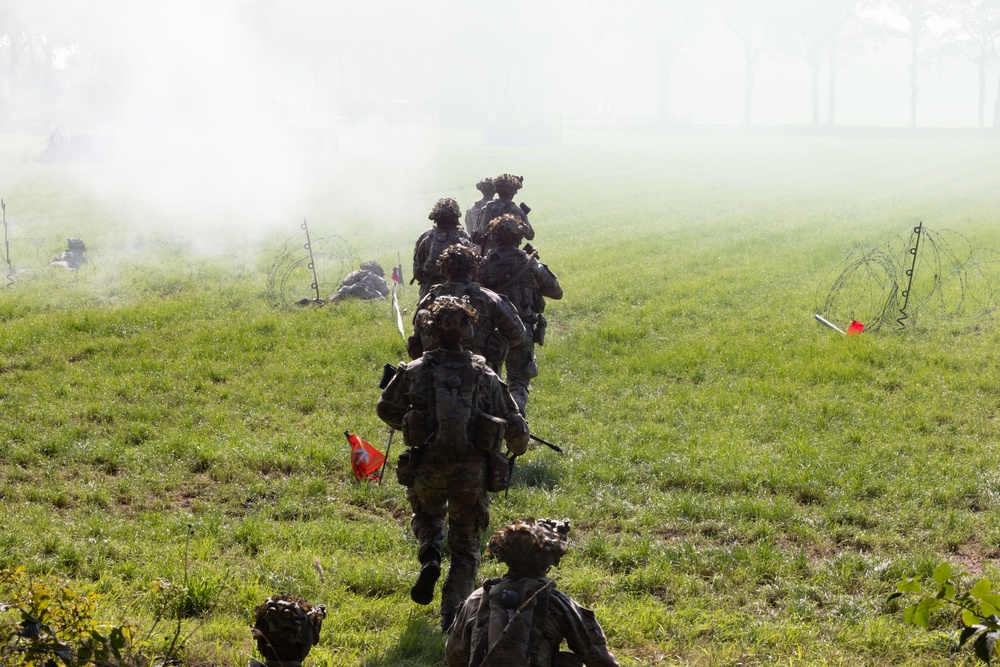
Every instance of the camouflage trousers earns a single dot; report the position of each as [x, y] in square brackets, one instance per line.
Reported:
[452, 491]
[521, 367]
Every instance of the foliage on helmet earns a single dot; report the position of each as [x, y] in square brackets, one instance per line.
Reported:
[506, 227]
[450, 314]
[458, 260]
[374, 267]
[486, 186]
[288, 620]
[539, 542]
[446, 208]
[508, 182]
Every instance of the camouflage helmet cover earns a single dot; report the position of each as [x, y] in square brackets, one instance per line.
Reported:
[374, 267]
[459, 260]
[530, 542]
[486, 186]
[446, 208]
[506, 226]
[508, 182]
[449, 314]
[288, 620]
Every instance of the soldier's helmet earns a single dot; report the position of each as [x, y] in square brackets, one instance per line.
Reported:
[373, 267]
[449, 316]
[76, 245]
[507, 229]
[285, 625]
[446, 209]
[459, 260]
[487, 187]
[508, 183]
[530, 545]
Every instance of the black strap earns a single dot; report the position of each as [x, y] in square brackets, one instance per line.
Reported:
[538, 621]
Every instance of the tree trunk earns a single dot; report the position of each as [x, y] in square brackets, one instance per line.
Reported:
[666, 64]
[832, 98]
[748, 95]
[814, 75]
[982, 92]
[996, 108]
[914, 49]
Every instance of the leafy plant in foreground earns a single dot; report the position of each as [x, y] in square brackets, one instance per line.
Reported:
[57, 627]
[979, 607]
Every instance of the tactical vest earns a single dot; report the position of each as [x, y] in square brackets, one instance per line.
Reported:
[509, 623]
[505, 273]
[439, 240]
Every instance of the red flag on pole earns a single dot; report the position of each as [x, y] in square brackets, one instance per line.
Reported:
[397, 274]
[855, 328]
[365, 459]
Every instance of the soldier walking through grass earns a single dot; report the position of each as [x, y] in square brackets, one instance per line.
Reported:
[524, 280]
[498, 326]
[474, 221]
[429, 246]
[521, 619]
[506, 186]
[454, 413]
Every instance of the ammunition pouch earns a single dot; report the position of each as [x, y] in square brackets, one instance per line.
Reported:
[416, 428]
[497, 472]
[406, 467]
[489, 432]
[539, 331]
[496, 347]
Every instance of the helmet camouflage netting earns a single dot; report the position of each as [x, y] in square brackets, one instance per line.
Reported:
[508, 182]
[450, 314]
[486, 185]
[530, 541]
[506, 226]
[287, 619]
[374, 267]
[446, 208]
[458, 259]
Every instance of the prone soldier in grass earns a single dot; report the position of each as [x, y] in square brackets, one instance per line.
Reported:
[524, 280]
[521, 619]
[498, 326]
[454, 413]
[427, 251]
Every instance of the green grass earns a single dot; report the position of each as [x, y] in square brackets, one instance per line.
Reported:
[745, 486]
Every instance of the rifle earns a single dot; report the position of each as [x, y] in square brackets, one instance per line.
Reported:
[388, 372]
[513, 458]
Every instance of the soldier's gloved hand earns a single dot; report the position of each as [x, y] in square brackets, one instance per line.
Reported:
[518, 445]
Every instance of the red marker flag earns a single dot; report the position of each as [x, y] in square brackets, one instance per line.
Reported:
[397, 274]
[855, 328]
[365, 459]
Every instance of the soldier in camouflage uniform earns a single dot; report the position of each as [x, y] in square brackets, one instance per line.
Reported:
[473, 218]
[498, 326]
[521, 619]
[367, 283]
[445, 232]
[453, 412]
[507, 186]
[524, 280]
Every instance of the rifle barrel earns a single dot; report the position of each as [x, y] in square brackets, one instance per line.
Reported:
[548, 444]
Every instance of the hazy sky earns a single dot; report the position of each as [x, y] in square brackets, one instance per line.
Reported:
[203, 92]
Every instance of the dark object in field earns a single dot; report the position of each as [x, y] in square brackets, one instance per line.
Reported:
[285, 629]
[74, 256]
[367, 284]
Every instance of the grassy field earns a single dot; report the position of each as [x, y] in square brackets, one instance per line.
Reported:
[745, 485]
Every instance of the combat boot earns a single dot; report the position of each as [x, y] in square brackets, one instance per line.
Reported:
[430, 560]
[447, 618]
